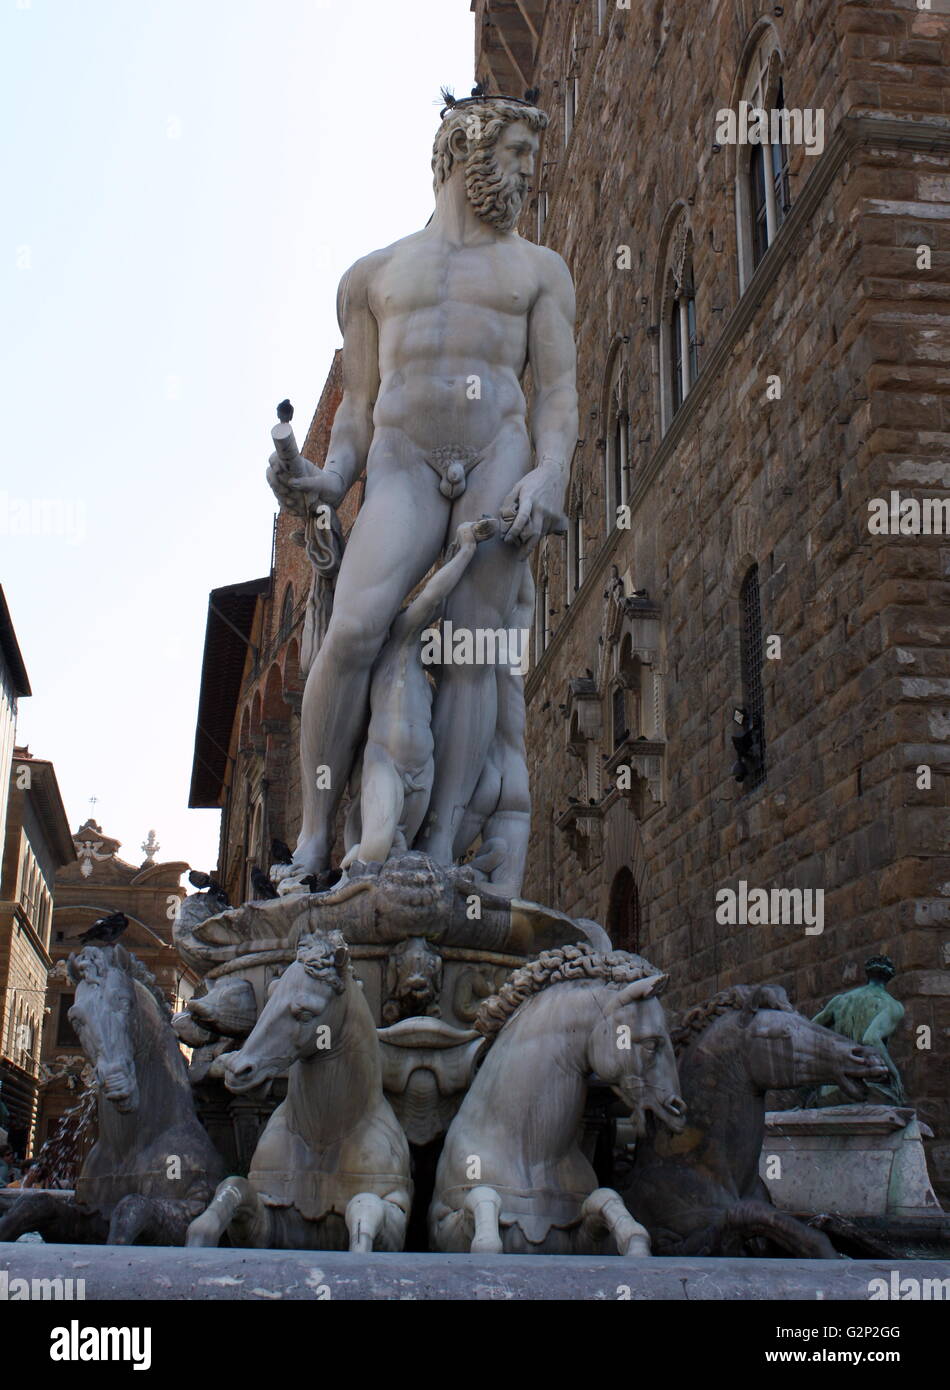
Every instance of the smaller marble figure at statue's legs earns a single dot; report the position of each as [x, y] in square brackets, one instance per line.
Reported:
[486, 599]
[397, 770]
[500, 810]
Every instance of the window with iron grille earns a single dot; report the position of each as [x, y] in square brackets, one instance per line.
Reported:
[753, 692]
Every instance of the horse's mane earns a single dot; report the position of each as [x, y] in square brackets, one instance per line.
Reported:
[740, 998]
[553, 967]
[325, 957]
[97, 959]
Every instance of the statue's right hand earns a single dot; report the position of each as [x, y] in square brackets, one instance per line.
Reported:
[318, 487]
[302, 494]
[280, 480]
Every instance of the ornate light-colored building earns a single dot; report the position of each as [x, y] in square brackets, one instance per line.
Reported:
[750, 684]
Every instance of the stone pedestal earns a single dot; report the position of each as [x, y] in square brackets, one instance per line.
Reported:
[854, 1160]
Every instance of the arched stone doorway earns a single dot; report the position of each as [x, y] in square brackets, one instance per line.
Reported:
[623, 912]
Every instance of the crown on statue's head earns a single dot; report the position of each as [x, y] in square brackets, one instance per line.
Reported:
[480, 96]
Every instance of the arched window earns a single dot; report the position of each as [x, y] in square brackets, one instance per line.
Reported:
[572, 85]
[616, 446]
[623, 912]
[542, 209]
[542, 630]
[286, 614]
[679, 339]
[763, 193]
[753, 693]
[575, 550]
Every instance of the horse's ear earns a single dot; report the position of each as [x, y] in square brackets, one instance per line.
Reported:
[121, 957]
[752, 1001]
[647, 988]
[778, 998]
[340, 956]
[72, 970]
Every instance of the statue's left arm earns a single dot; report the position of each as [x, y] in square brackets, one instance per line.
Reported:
[538, 500]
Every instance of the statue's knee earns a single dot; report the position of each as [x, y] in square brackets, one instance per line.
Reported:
[352, 641]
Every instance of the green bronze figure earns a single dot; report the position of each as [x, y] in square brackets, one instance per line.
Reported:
[869, 1015]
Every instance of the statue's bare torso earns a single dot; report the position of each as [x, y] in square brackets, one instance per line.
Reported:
[453, 339]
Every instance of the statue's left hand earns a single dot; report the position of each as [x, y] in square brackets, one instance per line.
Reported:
[535, 507]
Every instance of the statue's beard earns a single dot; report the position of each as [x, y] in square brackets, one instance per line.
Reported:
[496, 198]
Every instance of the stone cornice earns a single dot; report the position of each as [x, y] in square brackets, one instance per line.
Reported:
[851, 133]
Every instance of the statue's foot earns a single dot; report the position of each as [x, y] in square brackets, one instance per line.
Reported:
[311, 856]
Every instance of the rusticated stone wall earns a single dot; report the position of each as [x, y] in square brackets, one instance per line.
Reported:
[852, 318]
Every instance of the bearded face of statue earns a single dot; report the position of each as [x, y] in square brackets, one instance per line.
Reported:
[497, 179]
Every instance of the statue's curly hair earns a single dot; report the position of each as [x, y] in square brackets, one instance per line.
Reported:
[553, 967]
[482, 124]
[741, 998]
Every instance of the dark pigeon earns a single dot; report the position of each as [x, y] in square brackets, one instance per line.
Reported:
[263, 888]
[280, 852]
[107, 929]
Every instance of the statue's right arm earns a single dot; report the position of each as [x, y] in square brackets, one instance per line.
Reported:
[352, 431]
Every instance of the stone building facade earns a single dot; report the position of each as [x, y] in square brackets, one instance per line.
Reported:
[14, 684]
[35, 846]
[92, 884]
[247, 740]
[750, 683]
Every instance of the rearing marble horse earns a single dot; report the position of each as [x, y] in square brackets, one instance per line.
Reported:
[153, 1167]
[700, 1193]
[512, 1177]
[331, 1169]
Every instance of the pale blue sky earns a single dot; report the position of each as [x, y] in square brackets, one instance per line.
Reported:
[185, 181]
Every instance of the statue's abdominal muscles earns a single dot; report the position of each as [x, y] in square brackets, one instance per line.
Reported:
[450, 367]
